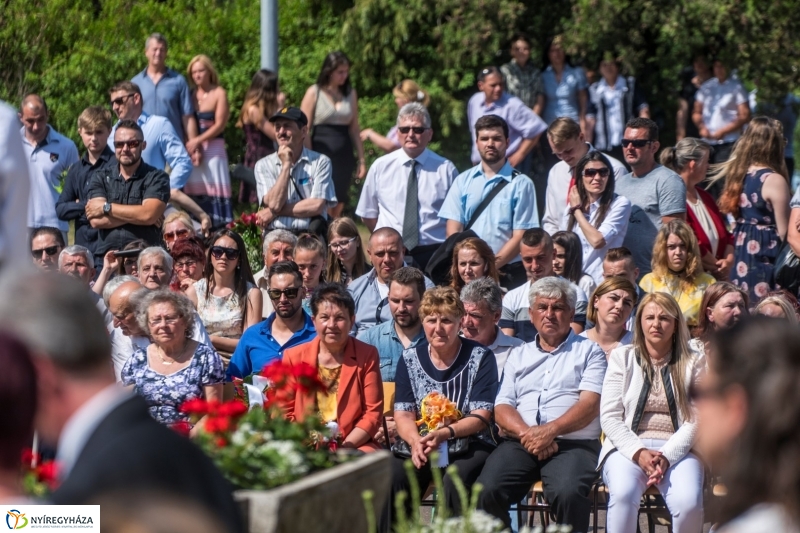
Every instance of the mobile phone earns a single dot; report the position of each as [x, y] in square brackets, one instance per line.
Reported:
[127, 253]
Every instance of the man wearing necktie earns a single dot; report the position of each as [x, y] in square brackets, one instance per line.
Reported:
[405, 189]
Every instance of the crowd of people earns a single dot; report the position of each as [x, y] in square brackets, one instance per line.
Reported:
[573, 320]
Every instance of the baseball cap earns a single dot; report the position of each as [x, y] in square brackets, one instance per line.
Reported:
[291, 113]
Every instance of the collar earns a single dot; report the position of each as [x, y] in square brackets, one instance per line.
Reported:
[104, 157]
[169, 73]
[404, 158]
[568, 340]
[305, 155]
[619, 85]
[505, 172]
[497, 103]
[143, 118]
[83, 423]
[392, 332]
[501, 340]
[49, 138]
[140, 171]
[266, 325]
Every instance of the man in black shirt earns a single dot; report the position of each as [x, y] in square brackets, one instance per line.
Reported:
[94, 127]
[127, 201]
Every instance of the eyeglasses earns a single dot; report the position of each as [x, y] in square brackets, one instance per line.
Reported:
[637, 143]
[230, 254]
[129, 262]
[169, 320]
[50, 251]
[185, 264]
[133, 144]
[172, 235]
[291, 293]
[121, 100]
[341, 244]
[592, 172]
[419, 130]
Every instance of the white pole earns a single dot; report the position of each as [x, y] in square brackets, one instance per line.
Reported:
[269, 35]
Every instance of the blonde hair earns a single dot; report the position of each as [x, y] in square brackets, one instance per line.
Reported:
[204, 60]
[762, 144]
[681, 352]
[409, 90]
[563, 129]
[678, 157]
[787, 308]
[441, 300]
[610, 285]
[178, 216]
[660, 263]
[94, 117]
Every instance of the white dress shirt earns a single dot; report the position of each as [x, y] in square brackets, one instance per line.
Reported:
[558, 181]
[501, 347]
[721, 103]
[384, 193]
[613, 228]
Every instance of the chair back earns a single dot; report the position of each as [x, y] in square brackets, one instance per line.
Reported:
[388, 398]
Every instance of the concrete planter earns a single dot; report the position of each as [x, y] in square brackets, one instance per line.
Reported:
[323, 502]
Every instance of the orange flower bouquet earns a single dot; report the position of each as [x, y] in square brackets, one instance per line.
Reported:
[436, 412]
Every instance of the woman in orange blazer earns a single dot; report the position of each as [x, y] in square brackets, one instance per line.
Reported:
[349, 368]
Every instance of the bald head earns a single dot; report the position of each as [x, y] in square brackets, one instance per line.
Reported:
[33, 115]
[385, 234]
[122, 305]
[386, 252]
[34, 101]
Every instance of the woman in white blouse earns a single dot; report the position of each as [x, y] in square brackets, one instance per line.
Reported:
[595, 212]
[649, 421]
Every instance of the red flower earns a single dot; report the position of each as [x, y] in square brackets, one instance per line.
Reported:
[195, 406]
[182, 427]
[29, 458]
[233, 408]
[218, 424]
[221, 442]
[47, 472]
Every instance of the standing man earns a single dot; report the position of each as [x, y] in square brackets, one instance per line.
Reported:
[522, 78]
[94, 127]
[49, 155]
[278, 246]
[288, 326]
[295, 184]
[410, 206]
[127, 200]
[166, 92]
[568, 143]
[524, 126]
[509, 213]
[657, 194]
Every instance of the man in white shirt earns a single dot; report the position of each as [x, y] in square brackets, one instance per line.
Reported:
[483, 303]
[569, 145]
[405, 189]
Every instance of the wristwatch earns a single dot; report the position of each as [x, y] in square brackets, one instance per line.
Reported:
[106, 208]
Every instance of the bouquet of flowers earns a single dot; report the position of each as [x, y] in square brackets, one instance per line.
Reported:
[247, 227]
[437, 411]
[258, 448]
[39, 477]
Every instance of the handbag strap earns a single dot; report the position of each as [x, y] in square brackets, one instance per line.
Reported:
[489, 197]
[296, 188]
[479, 417]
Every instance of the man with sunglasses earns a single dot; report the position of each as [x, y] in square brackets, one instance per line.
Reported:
[406, 188]
[288, 326]
[278, 246]
[656, 193]
[127, 201]
[46, 243]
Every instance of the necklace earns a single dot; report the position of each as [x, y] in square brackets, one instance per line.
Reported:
[174, 360]
[657, 366]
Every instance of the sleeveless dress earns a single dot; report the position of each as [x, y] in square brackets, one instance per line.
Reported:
[331, 136]
[756, 240]
[210, 183]
[223, 317]
[257, 146]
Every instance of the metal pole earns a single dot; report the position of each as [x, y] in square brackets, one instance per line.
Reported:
[269, 35]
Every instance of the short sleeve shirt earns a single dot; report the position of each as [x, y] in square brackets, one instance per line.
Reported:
[169, 98]
[522, 122]
[659, 193]
[721, 103]
[515, 311]
[562, 97]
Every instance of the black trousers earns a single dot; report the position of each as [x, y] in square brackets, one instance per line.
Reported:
[567, 477]
[512, 275]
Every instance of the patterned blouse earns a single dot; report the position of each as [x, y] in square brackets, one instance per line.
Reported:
[222, 316]
[689, 301]
[165, 393]
[471, 382]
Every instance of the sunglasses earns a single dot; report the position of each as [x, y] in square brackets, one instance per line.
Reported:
[637, 143]
[50, 251]
[172, 235]
[230, 253]
[419, 130]
[592, 172]
[291, 293]
[121, 100]
[119, 145]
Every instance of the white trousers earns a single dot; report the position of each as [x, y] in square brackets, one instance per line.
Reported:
[681, 487]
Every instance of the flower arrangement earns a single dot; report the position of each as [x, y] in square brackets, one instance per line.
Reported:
[39, 478]
[436, 411]
[258, 448]
[247, 227]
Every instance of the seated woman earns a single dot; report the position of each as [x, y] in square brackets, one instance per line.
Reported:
[778, 304]
[652, 438]
[462, 370]
[609, 310]
[724, 305]
[227, 299]
[677, 269]
[472, 259]
[309, 255]
[568, 262]
[349, 368]
[189, 258]
[346, 259]
[177, 227]
[174, 368]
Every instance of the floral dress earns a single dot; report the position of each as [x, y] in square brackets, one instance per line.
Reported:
[756, 241]
[222, 316]
[165, 394]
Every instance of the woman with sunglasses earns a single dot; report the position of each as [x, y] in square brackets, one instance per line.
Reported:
[596, 214]
[346, 259]
[227, 298]
[189, 258]
[405, 92]
[177, 226]
[309, 255]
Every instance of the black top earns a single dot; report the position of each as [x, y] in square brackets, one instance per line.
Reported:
[147, 182]
[688, 92]
[71, 205]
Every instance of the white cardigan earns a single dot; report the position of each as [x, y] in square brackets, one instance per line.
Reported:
[621, 390]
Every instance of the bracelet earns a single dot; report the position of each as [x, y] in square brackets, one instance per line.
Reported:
[452, 431]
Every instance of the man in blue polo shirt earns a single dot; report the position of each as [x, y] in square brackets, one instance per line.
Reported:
[508, 215]
[166, 92]
[288, 326]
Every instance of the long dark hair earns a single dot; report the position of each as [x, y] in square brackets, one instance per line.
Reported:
[608, 194]
[765, 458]
[573, 255]
[333, 61]
[262, 93]
[242, 275]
